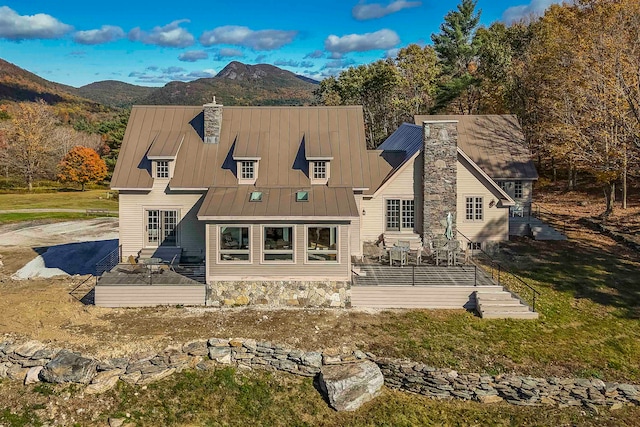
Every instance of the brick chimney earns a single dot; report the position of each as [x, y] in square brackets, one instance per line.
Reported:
[439, 181]
[212, 122]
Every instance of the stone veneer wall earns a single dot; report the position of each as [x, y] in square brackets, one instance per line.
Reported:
[33, 361]
[280, 293]
[439, 180]
[212, 122]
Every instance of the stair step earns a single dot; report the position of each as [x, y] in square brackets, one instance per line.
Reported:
[511, 315]
[498, 309]
[499, 303]
[494, 296]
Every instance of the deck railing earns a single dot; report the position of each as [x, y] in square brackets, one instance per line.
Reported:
[109, 261]
[503, 276]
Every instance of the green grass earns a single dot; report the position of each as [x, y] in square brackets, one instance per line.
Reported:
[233, 398]
[33, 216]
[71, 199]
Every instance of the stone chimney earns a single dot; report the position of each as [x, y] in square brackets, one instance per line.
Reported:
[439, 181]
[212, 122]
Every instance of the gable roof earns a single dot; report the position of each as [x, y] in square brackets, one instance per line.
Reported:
[278, 136]
[494, 142]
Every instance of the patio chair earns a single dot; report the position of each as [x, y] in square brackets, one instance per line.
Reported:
[418, 253]
[135, 267]
[398, 254]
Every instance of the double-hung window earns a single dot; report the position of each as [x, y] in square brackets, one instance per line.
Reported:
[319, 170]
[234, 243]
[277, 244]
[162, 169]
[517, 190]
[322, 244]
[400, 214]
[474, 209]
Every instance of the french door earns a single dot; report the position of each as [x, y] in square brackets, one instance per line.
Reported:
[400, 214]
[162, 228]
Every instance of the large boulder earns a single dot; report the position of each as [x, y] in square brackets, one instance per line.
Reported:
[69, 367]
[349, 386]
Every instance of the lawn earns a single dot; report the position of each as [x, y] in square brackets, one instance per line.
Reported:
[64, 199]
[228, 397]
[10, 218]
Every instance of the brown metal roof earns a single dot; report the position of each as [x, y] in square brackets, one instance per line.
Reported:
[274, 134]
[494, 142]
[318, 144]
[232, 203]
[166, 144]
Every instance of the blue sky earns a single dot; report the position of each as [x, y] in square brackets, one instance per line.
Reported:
[153, 42]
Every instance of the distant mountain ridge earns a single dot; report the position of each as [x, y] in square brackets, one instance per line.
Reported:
[235, 84]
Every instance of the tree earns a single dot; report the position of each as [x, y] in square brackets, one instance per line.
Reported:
[418, 69]
[457, 50]
[82, 165]
[29, 145]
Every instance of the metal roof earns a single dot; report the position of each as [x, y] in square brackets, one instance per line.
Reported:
[276, 135]
[233, 203]
[494, 142]
[165, 144]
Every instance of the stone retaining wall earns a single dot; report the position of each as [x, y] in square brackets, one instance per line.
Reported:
[33, 361]
[600, 226]
[280, 293]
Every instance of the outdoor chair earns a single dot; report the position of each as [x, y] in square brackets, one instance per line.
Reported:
[398, 254]
[135, 267]
[418, 253]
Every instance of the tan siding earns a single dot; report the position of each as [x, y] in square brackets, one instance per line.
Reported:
[495, 225]
[356, 243]
[401, 186]
[132, 218]
[145, 296]
[283, 271]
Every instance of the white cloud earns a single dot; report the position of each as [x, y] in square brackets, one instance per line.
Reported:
[382, 39]
[170, 35]
[286, 63]
[193, 56]
[106, 34]
[535, 8]
[23, 27]
[169, 74]
[363, 11]
[391, 53]
[315, 54]
[338, 64]
[246, 37]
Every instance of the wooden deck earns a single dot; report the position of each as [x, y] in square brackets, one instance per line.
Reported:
[422, 275]
[128, 286]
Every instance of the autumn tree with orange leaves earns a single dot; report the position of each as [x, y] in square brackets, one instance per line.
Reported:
[82, 165]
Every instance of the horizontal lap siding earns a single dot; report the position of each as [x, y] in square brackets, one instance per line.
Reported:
[298, 271]
[132, 218]
[145, 296]
[433, 297]
[405, 185]
[495, 225]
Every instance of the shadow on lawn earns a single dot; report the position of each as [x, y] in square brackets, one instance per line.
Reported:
[587, 271]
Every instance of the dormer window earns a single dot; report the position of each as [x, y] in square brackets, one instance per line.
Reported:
[319, 171]
[162, 169]
[247, 171]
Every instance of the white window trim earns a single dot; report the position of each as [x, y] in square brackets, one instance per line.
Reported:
[242, 180]
[306, 244]
[384, 216]
[219, 251]
[145, 208]
[156, 165]
[473, 213]
[319, 181]
[264, 251]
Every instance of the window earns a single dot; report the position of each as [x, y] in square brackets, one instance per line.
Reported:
[162, 169]
[400, 214]
[247, 169]
[319, 170]
[234, 243]
[322, 244]
[474, 246]
[277, 244]
[503, 185]
[302, 196]
[473, 209]
[255, 196]
[162, 228]
[517, 190]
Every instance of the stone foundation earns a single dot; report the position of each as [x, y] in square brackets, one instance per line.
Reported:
[280, 293]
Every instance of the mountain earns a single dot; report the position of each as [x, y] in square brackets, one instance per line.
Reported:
[114, 93]
[238, 84]
[17, 84]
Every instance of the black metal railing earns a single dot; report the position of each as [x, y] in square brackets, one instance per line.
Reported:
[109, 261]
[416, 275]
[538, 211]
[502, 275]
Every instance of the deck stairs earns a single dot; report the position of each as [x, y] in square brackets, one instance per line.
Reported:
[532, 226]
[500, 304]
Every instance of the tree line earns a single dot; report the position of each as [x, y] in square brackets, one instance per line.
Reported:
[571, 76]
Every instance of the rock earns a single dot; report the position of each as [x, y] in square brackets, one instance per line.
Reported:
[155, 376]
[347, 387]
[312, 359]
[17, 372]
[235, 342]
[116, 422]
[105, 375]
[196, 348]
[616, 406]
[242, 300]
[489, 399]
[216, 353]
[32, 375]
[28, 349]
[68, 367]
[628, 389]
[131, 378]
[102, 386]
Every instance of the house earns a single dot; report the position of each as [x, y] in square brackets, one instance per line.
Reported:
[277, 200]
